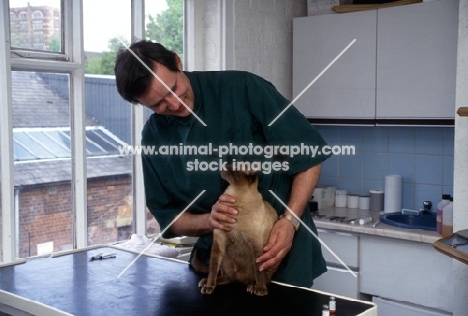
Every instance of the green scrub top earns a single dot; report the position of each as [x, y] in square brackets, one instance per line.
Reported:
[237, 108]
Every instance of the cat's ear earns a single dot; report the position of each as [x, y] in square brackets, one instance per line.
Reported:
[250, 172]
[251, 175]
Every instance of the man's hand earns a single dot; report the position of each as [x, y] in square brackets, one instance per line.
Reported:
[278, 245]
[282, 234]
[222, 213]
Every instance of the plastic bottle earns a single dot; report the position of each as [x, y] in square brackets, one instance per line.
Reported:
[447, 224]
[440, 206]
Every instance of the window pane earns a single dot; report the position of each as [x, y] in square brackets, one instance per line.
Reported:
[42, 166]
[110, 211]
[101, 41]
[36, 25]
[165, 23]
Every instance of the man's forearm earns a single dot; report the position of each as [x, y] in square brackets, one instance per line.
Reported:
[302, 188]
[192, 225]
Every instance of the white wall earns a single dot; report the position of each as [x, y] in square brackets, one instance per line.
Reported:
[252, 35]
[460, 188]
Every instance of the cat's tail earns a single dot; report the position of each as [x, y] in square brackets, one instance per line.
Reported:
[197, 265]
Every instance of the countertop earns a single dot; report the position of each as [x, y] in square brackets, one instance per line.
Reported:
[380, 230]
[70, 284]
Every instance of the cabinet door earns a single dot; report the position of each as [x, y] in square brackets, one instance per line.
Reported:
[406, 271]
[344, 245]
[416, 60]
[347, 88]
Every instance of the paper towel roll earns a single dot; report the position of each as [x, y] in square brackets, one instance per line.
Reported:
[393, 193]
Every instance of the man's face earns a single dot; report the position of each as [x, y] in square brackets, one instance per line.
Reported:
[162, 101]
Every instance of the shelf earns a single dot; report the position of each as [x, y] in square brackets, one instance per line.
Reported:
[455, 246]
[462, 111]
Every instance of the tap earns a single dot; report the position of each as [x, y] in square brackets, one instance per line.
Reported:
[427, 208]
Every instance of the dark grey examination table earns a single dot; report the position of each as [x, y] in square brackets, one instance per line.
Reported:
[71, 284]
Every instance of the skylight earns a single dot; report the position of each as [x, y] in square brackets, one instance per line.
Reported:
[55, 143]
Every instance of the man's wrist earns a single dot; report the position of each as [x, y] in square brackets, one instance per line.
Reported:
[292, 220]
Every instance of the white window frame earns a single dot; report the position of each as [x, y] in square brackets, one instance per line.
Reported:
[71, 62]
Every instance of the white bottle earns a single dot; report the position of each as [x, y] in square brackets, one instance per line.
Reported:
[440, 207]
[447, 224]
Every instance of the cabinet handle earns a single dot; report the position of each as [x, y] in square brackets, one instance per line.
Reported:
[326, 231]
[462, 111]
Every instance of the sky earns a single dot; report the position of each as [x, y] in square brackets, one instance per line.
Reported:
[103, 19]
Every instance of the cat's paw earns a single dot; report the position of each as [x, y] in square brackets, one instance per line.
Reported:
[257, 290]
[205, 289]
[202, 282]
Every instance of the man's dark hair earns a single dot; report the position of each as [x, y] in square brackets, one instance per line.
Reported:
[134, 79]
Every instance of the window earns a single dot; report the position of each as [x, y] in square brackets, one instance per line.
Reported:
[37, 15]
[164, 24]
[37, 25]
[23, 31]
[42, 163]
[110, 206]
[68, 185]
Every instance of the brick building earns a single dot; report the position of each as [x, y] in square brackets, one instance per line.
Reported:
[35, 27]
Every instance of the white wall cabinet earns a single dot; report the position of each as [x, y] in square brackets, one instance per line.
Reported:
[347, 88]
[416, 60]
[402, 65]
[406, 271]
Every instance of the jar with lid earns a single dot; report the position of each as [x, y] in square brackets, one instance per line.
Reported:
[340, 198]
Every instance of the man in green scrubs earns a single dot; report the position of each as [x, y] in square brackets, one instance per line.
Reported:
[201, 121]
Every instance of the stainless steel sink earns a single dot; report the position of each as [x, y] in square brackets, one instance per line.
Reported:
[422, 221]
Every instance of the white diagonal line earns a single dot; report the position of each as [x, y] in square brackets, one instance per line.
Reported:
[313, 234]
[313, 81]
[163, 83]
[159, 235]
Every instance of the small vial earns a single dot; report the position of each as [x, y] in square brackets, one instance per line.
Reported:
[332, 305]
[325, 310]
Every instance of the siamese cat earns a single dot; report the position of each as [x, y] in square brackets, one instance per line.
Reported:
[233, 253]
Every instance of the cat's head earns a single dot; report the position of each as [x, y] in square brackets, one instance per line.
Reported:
[238, 177]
